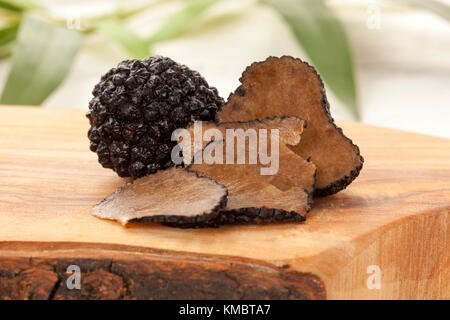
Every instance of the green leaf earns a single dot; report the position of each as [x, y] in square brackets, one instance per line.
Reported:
[179, 21]
[137, 47]
[41, 60]
[7, 37]
[8, 34]
[17, 5]
[324, 39]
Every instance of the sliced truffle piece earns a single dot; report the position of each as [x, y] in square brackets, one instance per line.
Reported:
[290, 87]
[174, 196]
[289, 131]
[285, 195]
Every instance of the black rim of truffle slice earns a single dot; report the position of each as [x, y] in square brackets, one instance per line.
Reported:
[259, 215]
[136, 107]
[265, 190]
[174, 197]
[237, 108]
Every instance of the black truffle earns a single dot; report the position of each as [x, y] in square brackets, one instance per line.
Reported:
[136, 107]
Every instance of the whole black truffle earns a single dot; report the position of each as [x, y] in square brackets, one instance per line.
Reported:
[136, 107]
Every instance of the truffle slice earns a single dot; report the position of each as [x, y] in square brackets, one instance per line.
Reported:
[290, 87]
[285, 195]
[289, 131]
[174, 196]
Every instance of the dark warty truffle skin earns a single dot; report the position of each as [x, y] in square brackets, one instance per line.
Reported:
[136, 107]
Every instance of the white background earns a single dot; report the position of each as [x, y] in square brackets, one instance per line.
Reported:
[402, 69]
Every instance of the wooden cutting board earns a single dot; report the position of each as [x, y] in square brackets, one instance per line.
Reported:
[385, 237]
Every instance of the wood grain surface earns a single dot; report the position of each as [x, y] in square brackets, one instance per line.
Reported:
[395, 216]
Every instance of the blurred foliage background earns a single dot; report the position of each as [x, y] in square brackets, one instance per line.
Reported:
[43, 46]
